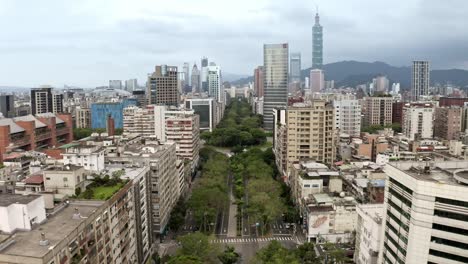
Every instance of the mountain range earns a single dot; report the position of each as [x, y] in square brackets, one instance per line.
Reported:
[352, 73]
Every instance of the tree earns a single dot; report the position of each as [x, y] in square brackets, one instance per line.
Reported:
[229, 256]
[185, 259]
[197, 245]
[306, 254]
[275, 253]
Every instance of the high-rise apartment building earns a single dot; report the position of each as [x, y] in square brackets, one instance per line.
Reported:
[215, 83]
[204, 74]
[420, 79]
[131, 85]
[448, 122]
[162, 86]
[275, 64]
[377, 110]
[418, 121]
[195, 80]
[7, 105]
[259, 81]
[41, 100]
[317, 80]
[184, 130]
[57, 103]
[83, 117]
[368, 232]
[426, 213]
[348, 116]
[381, 84]
[309, 133]
[317, 44]
[295, 67]
[115, 84]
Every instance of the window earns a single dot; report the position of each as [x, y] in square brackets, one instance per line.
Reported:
[65, 179]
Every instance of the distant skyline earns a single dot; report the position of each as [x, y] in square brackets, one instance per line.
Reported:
[87, 42]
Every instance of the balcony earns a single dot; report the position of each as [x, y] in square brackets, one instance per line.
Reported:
[43, 136]
[21, 141]
[62, 131]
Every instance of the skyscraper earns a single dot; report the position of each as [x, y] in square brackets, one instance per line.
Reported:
[204, 74]
[162, 86]
[186, 73]
[295, 67]
[258, 81]
[215, 83]
[7, 105]
[195, 79]
[381, 84]
[275, 64]
[317, 44]
[41, 100]
[420, 79]
[317, 81]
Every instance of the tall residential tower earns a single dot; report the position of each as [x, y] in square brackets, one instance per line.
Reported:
[420, 79]
[295, 67]
[317, 44]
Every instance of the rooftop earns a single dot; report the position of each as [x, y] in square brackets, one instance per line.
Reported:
[446, 172]
[56, 229]
[9, 199]
[37, 123]
[57, 119]
[68, 167]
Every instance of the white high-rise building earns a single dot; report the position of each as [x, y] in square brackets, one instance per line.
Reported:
[395, 88]
[317, 81]
[381, 84]
[418, 120]
[131, 85]
[420, 79]
[426, 213]
[348, 116]
[115, 84]
[215, 83]
[368, 233]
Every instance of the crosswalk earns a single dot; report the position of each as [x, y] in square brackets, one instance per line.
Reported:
[250, 240]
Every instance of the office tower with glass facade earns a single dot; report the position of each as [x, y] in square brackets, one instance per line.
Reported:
[215, 86]
[295, 67]
[420, 79]
[317, 44]
[275, 65]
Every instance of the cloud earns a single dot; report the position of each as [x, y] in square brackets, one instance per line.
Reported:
[87, 42]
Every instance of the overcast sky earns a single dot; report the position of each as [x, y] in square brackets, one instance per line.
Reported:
[87, 42]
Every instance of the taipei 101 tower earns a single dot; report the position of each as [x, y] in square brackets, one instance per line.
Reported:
[317, 44]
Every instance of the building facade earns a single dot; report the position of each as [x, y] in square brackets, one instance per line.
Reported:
[162, 86]
[310, 133]
[215, 83]
[7, 105]
[420, 79]
[368, 233]
[259, 81]
[448, 122]
[115, 84]
[377, 111]
[101, 111]
[295, 67]
[41, 100]
[83, 117]
[348, 116]
[206, 109]
[317, 81]
[425, 218]
[418, 121]
[195, 79]
[275, 63]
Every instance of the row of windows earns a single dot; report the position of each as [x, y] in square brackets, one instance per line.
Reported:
[400, 197]
[448, 256]
[404, 213]
[406, 189]
[404, 226]
[451, 215]
[388, 249]
[450, 229]
[401, 236]
[452, 202]
[448, 242]
[400, 248]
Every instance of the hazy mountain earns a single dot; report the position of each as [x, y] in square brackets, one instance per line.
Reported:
[229, 77]
[352, 73]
